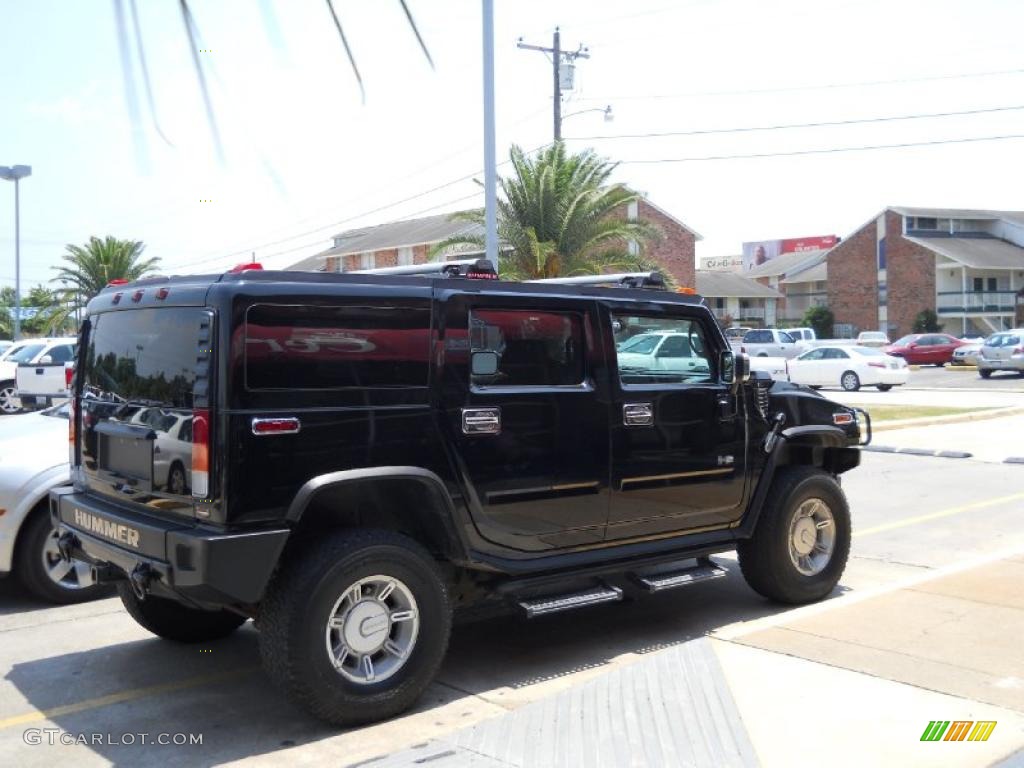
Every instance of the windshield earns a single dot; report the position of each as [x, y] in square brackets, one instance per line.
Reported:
[643, 344]
[26, 353]
[872, 335]
[904, 341]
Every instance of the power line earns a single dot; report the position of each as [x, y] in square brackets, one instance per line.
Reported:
[809, 87]
[829, 150]
[783, 126]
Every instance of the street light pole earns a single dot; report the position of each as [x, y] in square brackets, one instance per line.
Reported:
[15, 173]
[490, 150]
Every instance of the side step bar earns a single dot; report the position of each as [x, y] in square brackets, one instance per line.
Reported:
[656, 582]
[542, 606]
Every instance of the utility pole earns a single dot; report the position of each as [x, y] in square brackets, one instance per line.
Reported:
[490, 146]
[558, 57]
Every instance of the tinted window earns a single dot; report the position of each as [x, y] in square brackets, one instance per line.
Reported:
[785, 338]
[313, 347]
[758, 337]
[62, 354]
[681, 358]
[904, 341]
[144, 355]
[533, 348]
[836, 354]
[814, 354]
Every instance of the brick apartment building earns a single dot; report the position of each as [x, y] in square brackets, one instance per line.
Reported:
[800, 279]
[400, 243]
[966, 265]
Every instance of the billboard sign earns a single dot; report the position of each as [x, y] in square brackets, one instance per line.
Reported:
[721, 263]
[760, 252]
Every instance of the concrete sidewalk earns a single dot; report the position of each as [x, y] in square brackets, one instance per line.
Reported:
[993, 440]
[852, 681]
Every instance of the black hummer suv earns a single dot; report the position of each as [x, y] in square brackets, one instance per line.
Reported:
[349, 459]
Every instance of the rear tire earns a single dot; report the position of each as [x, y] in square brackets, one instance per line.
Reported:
[340, 670]
[884, 387]
[43, 573]
[849, 381]
[984, 374]
[802, 540]
[9, 400]
[173, 621]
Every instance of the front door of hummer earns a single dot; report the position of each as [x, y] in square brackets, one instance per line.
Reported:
[524, 398]
[678, 436]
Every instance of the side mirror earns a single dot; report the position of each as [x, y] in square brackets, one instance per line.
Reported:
[727, 365]
[484, 363]
[45, 360]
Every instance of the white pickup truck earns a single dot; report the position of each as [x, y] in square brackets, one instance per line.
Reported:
[769, 342]
[42, 380]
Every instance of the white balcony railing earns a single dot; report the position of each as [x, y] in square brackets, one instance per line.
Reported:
[975, 302]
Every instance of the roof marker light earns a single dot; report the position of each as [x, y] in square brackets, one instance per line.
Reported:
[247, 267]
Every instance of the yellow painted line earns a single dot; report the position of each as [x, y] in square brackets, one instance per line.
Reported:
[941, 513]
[131, 694]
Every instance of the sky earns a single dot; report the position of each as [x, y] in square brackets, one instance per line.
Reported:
[305, 155]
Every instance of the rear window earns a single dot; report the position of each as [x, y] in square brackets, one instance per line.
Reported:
[534, 348]
[869, 352]
[336, 347]
[144, 355]
[26, 353]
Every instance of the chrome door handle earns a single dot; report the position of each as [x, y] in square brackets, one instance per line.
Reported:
[481, 421]
[638, 414]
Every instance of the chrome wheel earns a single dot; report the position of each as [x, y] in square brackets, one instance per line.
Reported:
[372, 629]
[73, 575]
[9, 400]
[850, 382]
[812, 537]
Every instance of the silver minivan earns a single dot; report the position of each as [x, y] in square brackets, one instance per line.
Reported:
[1002, 351]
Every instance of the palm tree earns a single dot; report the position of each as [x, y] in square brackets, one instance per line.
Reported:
[91, 267]
[559, 216]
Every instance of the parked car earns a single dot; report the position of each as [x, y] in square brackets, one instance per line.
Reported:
[848, 367]
[30, 351]
[925, 348]
[872, 339]
[1002, 352]
[736, 333]
[33, 461]
[768, 342]
[373, 451]
[662, 351]
[802, 334]
[967, 353]
[773, 366]
[5, 345]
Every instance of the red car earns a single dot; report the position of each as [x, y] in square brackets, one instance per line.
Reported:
[925, 348]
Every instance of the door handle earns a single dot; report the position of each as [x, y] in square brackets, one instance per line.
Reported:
[481, 421]
[638, 414]
[726, 408]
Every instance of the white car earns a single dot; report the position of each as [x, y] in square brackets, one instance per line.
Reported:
[872, 339]
[59, 350]
[33, 461]
[172, 449]
[769, 342]
[661, 351]
[848, 367]
[775, 366]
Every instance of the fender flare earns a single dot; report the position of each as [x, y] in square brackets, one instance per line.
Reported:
[431, 482]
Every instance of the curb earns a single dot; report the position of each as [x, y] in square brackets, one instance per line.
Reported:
[924, 452]
[959, 418]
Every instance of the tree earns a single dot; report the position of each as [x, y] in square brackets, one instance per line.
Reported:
[91, 267]
[821, 320]
[559, 216]
[927, 322]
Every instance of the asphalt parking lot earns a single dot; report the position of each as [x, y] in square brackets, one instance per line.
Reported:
[89, 669]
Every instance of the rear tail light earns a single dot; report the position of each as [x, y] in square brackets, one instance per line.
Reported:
[200, 452]
[1018, 351]
[72, 430]
[877, 365]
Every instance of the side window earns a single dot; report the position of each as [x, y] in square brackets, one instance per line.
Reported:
[758, 337]
[534, 349]
[836, 354]
[336, 347]
[62, 353]
[785, 338]
[661, 350]
[814, 354]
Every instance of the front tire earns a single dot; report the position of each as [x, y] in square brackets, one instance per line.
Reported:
[42, 571]
[173, 621]
[355, 624]
[850, 381]
[802, 540]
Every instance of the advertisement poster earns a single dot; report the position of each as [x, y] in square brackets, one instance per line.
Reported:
[760, 252]
[721, 263]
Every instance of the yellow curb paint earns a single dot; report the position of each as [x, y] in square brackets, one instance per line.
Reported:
[121, 696]
[935, 515]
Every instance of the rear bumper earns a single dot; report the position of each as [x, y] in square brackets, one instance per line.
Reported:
[1014, 363]
[186, 562]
